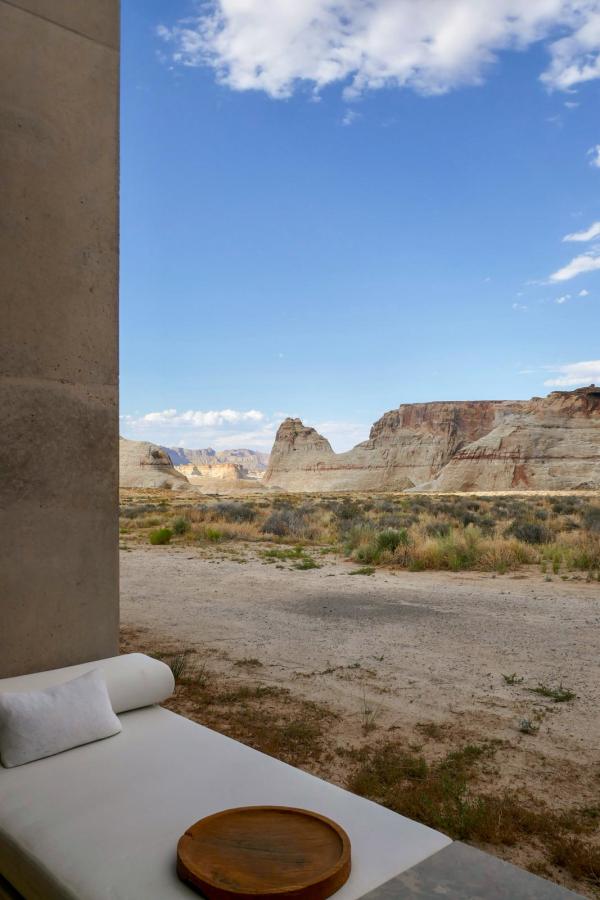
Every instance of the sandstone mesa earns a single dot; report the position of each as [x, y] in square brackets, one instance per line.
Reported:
[546, 443]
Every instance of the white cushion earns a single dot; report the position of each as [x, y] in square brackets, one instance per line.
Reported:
[133, 680]
[102, 821]
[36, 724]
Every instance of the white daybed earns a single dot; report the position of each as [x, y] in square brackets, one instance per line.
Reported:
[101, 822]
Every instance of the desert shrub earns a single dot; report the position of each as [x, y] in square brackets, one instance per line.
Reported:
[391, 539]
[369, 546]
[181, 525]
[232, 511]
[576, 550]
[348, 509]
[161, 536]
[438, 529]
[210, 533]
[132, 512]
[591, 519]
[564, 505]
[467, 549]
[385, 506]
[530, 532]
[284, 522]
[367, 553]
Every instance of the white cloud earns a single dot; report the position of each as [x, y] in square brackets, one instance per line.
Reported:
[587, 262]
[583, 293]
[573, 374]
[594, 156]
[587, 234]
[520, 307]
[228, 429]
[430, 46]
[197, 418]
[563, 299]
[575, 58]
[222, 429]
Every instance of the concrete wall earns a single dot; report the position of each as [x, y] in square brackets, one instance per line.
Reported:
[59, 71]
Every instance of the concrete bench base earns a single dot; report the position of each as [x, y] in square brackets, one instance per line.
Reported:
[460, 872]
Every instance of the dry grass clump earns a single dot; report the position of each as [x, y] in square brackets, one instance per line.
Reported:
[580, 858]
[416, 532]
[467, 549]
[444, 795]
[262, 716]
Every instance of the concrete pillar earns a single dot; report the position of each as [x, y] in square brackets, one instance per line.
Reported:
[59, 72]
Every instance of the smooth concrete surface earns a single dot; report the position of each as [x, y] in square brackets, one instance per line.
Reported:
[59, 71]
[460, 872]
[95, 19]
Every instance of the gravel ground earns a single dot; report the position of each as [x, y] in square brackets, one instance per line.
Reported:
[415, 646]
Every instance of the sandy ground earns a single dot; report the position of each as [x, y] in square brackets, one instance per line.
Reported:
[413, 647]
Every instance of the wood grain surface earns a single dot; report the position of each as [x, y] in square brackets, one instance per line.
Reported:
[264, 851]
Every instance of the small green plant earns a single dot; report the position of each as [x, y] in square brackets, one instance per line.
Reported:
[283, 553]
[364, 570]
[513, 678]
[161, 536]
[178, 665]
[526, 726]
[369, 716]
[215, 535]
[181, 525]
[306, 563]
[559, 694]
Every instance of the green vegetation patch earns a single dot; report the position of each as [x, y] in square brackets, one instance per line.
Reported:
[161, 536]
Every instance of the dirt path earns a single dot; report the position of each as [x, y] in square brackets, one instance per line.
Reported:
[415, 647]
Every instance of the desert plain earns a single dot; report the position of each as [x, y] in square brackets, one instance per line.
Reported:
[466, 696]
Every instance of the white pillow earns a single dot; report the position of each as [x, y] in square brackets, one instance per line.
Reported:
[35, 724]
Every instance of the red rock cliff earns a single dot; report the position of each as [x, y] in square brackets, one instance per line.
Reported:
[550, 443]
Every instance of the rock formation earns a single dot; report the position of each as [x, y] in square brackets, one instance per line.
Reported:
[252, 460]
[145, 465]
[220, 471]
[550, 443]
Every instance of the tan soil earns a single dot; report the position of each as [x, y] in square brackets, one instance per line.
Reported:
[415, 647]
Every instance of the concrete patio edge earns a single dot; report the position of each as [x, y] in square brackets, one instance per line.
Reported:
[460, 872]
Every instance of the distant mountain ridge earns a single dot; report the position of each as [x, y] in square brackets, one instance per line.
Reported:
[251, 460]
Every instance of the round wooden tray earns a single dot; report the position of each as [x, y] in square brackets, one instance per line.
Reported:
[256, 852]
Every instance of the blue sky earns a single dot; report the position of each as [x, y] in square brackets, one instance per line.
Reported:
[327, 218]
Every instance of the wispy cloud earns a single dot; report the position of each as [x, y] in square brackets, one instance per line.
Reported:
[594, 156]
[588, 234]
[583, 293]
[586, 262]
[350, 116]
[563, 299]
[574, 374]
[430, 46]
